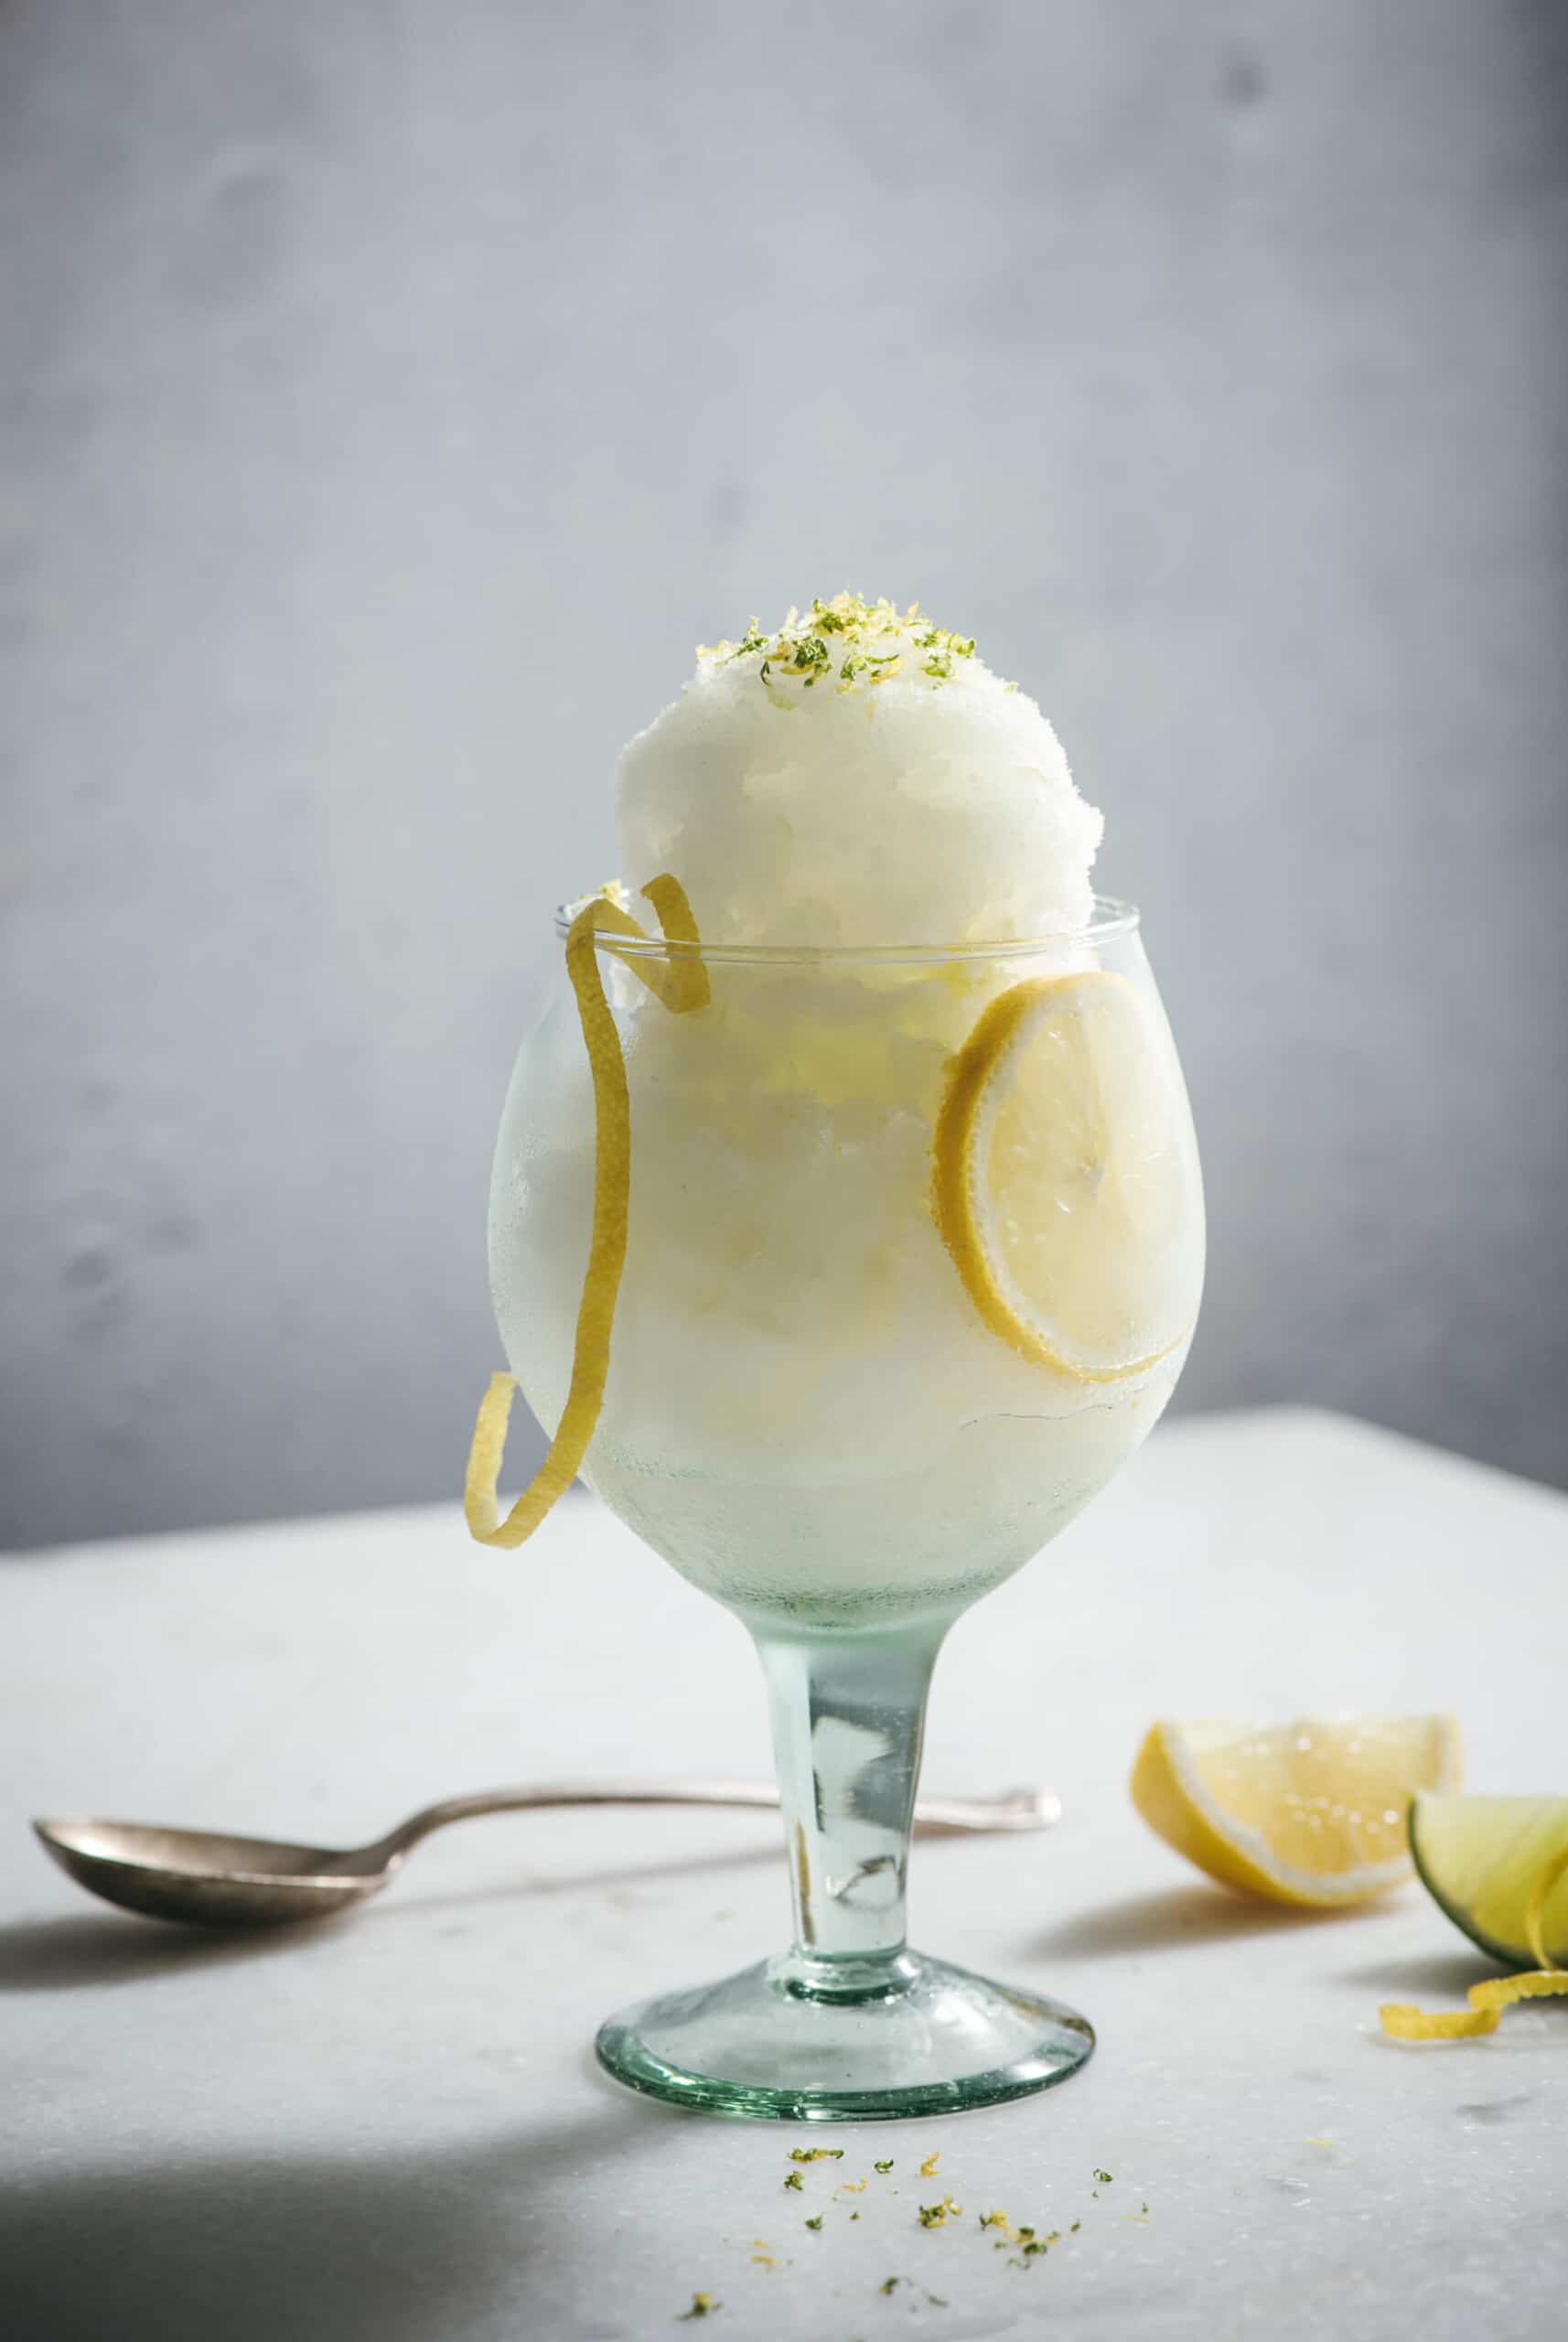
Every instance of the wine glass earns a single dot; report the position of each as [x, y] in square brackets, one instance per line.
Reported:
[820, 1411]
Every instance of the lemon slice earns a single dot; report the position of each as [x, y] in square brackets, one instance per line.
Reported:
[1486, 1860]
[680, 981]
[1063, 1179]
[1312, 1812]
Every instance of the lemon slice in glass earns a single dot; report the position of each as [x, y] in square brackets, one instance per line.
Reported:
[1483, 1858]
[1312, 1812]
[1063, 1177]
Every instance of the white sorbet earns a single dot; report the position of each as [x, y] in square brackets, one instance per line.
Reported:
[859, 777]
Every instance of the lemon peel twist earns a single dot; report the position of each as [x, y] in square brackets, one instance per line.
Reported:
[680, 981]
[1487, 2000]
[1535, 1909]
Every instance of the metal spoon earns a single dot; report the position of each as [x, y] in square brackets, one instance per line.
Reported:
[212, 1880]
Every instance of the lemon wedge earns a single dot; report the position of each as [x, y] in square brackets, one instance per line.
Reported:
[1064, 1177]
[1486, 1860]
[1309, 1813]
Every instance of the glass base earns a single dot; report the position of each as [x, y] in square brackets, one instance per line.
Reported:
[801, 2040]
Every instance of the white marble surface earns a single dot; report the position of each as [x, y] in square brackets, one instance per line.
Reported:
[393, 2128]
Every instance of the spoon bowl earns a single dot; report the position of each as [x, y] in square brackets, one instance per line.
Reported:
[210, 1878]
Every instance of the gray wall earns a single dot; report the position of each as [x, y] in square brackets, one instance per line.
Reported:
[394, 394]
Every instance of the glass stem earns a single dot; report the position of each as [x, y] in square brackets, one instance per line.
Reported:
[848, 1719]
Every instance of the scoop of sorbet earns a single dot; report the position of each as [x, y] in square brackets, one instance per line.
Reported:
[858, 776]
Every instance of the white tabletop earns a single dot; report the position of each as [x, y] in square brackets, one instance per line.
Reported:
[392, 2127]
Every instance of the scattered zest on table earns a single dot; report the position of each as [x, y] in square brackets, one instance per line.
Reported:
[1026, 2245]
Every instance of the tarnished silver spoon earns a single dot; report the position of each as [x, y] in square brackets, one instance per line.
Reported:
[211, 1880]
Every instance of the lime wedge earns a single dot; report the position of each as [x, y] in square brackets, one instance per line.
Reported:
[1479, 1858]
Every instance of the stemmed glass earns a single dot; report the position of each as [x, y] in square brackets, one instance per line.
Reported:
[806, 1414]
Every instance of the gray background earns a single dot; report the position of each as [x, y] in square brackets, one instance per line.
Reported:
[394, 394]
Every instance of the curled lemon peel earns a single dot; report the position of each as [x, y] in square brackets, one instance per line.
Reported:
[1535, 1909]
[677, 978]
[1487, 2000]
[681, 983]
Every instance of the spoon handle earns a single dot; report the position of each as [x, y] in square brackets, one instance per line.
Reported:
[1025, 1809]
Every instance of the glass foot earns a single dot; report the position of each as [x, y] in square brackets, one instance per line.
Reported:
[794, 2040]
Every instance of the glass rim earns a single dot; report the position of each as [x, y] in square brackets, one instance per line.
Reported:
[1112, 918]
